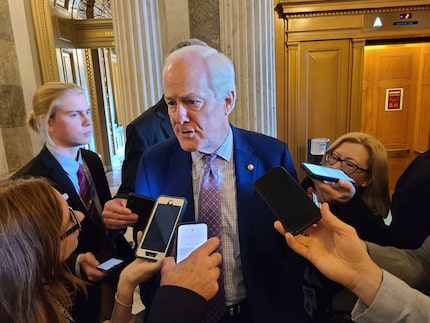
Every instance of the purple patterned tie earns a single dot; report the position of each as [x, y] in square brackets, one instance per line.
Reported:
[210, 213]
[107, 249]
[84, 186]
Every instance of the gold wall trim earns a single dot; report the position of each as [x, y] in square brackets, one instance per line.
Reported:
[88, 33]
[93, 99]
[45, 40]
[351, 12]
[314, 8]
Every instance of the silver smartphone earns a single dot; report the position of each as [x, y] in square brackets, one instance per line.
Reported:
[325, 173]
[190, 237]
[161, 227]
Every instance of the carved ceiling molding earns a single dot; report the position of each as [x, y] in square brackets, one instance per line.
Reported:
[350, 12]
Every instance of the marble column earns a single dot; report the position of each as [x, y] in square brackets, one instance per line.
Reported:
[15, 142]
[247, 37]
[139, 46]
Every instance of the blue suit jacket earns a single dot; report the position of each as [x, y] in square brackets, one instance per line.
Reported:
[272, 272]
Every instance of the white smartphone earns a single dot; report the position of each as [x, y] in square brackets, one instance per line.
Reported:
[161, 227]
[190, 237]
[325, 173]
[110, 264]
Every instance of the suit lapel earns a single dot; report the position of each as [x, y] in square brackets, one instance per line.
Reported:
[246, 167]
[180, 165]
[61, 179]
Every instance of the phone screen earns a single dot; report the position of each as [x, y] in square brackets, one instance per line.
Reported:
[190, 237]
[290, 203]
[161, 227]
[160, 230]
[110, 264]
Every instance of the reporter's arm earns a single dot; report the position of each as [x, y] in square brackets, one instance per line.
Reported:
[336, 250]
[394, 302]
[139, 270]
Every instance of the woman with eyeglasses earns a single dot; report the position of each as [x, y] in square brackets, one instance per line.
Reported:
[39, 231]
[363, 205]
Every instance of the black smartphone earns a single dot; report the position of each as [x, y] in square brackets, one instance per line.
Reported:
[190, 236]
[110, 264]
[290, 203]
[325, 173]
[161, 227]
[142, 206]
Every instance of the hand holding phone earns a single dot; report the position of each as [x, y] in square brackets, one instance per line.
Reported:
[325, 173]
[290, 203]
[190, 237]
[161, 227]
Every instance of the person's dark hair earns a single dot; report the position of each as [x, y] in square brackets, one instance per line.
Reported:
[32, 274]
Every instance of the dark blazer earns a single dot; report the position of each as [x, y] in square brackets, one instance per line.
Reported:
[45, 165]
[356, 213]
[179, 305]
[410, 223]
[151, 127]
[272, 272]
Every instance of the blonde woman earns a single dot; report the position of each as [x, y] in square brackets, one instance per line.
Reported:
[364, 205]
[62, 117]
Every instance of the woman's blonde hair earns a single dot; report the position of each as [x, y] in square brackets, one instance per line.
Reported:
[376, 195]
[45, 102]
[32, 275]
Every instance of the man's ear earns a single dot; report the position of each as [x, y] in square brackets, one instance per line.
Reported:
[229, 102]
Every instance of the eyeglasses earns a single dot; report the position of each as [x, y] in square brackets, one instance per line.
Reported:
[76, 226]
[347, 166]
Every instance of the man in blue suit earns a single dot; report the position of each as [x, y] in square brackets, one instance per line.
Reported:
[262, 276]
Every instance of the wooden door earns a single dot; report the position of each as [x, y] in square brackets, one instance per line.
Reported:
[396, 103]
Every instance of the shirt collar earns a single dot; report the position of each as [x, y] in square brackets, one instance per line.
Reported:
[225, 151]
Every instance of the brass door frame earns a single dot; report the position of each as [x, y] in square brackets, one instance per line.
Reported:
[309, 21]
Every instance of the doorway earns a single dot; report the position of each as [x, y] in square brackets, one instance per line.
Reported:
[396, 100]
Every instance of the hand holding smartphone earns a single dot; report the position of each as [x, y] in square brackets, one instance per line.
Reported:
[142, 206]
[161, 227]
[325, 173]
[290, 203]
[190, 237]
